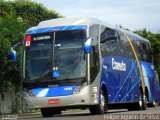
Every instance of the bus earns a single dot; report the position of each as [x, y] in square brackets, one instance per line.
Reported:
[86, 63]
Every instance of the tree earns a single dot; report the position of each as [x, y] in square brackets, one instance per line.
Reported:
[33, 12]
[15, 18]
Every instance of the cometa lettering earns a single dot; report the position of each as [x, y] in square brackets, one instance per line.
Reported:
[118, 65]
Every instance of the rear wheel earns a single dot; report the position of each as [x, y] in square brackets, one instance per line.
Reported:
[142, 103]
[153, 104]
[102, 107]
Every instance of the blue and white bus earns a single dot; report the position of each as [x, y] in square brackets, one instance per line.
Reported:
[86, 63]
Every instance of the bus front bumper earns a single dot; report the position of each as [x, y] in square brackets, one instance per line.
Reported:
[84, 98]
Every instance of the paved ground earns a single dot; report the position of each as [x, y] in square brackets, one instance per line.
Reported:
[149, 114]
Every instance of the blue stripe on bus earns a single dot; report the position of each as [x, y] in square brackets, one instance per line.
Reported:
[53, 91]
[57, 28]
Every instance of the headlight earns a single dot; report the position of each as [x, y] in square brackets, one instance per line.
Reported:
[29, 92]
[79, 88]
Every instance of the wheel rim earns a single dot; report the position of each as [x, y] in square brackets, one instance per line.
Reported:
[140, 100]
[154, 103]
[102, 105]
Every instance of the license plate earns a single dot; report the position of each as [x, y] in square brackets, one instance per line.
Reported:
[53, 101]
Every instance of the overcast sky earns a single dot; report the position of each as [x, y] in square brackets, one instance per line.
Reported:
[131, 14]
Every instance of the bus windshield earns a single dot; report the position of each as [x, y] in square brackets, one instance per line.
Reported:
[63, 52]
[69, 54]
[38, 57]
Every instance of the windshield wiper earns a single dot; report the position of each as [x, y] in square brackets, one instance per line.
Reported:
[69, 82]
[37, 77]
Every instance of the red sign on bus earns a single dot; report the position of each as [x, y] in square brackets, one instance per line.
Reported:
[53, 101]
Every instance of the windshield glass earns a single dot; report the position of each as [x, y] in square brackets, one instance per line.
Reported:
[63, 52]
[38, 57]
[69, 54]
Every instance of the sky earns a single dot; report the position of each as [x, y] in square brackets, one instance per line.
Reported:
[131, 14]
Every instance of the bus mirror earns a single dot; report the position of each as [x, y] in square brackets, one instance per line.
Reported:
[13, 54]
[87, 46]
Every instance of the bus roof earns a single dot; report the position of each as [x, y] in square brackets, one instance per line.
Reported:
[69, 22]
[132, 34]
[80, 21]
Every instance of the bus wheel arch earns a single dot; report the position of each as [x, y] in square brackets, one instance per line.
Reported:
[102, 107]
[105, 91]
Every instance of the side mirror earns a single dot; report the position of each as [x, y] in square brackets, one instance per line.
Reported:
[87, 46]
[13, 54]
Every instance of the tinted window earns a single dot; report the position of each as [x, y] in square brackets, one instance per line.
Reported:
[69, 54]
[94, 56]
[125, 47]
[109, 41]
[38, 56]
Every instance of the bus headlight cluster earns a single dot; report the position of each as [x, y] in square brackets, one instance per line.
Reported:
[29, 92]
[79, 88]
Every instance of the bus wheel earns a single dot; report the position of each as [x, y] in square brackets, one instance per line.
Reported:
[49, 112]
[102, 107]
[142, 102]
[140, 105]
[46, 112]
[153, 104]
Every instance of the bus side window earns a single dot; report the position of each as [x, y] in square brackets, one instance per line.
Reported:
[94, 62]
[125, 50]
[94, 55]
[143, 51]
[149, 53]
[123, 44]
[108, 41]
[136, 45]
[138, 49]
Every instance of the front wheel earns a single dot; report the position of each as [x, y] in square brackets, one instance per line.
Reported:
[102, 107]
[46, 112]
[49, 112]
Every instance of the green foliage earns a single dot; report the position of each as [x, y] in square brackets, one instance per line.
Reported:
[5, 8]
[15, 18]
[32, 12]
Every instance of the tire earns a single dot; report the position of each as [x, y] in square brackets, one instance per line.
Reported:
[102, 107]
[46, 112]
[49, 112]
[144, 102]
[141, 104]
[153, 104]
